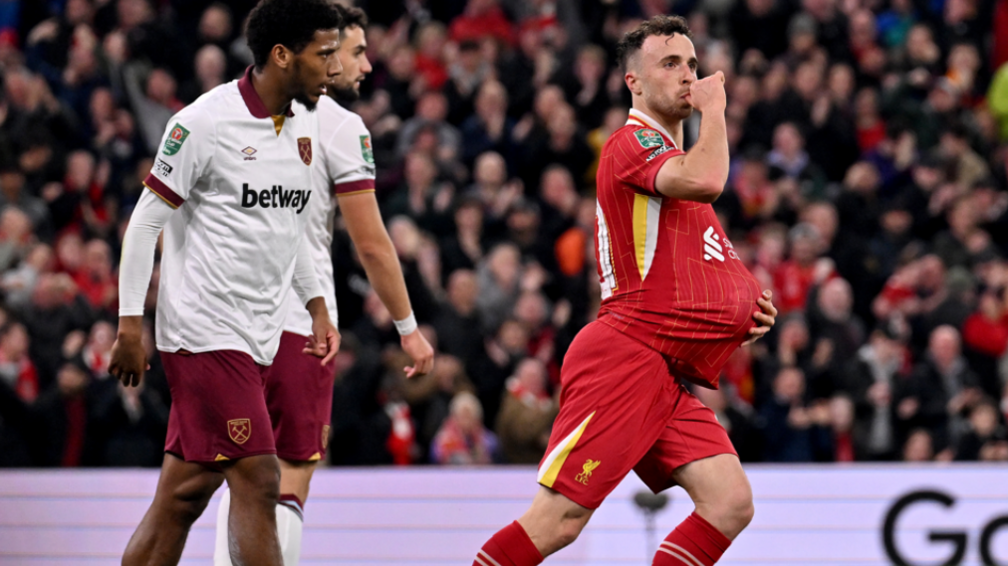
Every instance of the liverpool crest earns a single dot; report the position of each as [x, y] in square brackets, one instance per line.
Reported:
[304, 148]
[586, 471]
[239, 430]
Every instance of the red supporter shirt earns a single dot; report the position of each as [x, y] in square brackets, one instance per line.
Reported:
[669, 276]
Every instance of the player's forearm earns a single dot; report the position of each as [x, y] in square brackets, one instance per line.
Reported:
[137, 263]
[305, 281]
[377, 254]
[699, 175]
[385, 274]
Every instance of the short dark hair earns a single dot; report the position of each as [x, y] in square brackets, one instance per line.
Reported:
[291, 23]
[658, 25]
[352, 16]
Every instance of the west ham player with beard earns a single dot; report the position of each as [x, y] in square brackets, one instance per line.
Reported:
[236, 165]
[299, 392]
[676, 302]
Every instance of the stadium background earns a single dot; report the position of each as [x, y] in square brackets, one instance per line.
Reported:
[868, 190]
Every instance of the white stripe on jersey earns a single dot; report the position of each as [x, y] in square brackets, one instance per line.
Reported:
[605, 254]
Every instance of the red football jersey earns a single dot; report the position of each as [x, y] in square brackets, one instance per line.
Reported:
[670, 278]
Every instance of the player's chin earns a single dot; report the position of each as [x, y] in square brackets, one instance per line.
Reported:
[308, 100]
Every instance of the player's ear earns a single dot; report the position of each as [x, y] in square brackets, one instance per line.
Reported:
[632, 82]
[281, 56]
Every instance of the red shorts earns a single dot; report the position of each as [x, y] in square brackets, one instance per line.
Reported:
[299, 396]
[621, 410]
[218, 409]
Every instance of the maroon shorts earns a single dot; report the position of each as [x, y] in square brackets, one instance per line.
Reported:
[218, 409]
[299, 396]
[621, 410]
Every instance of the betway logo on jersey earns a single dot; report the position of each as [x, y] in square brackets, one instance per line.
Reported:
[713, 248]
[277, 197]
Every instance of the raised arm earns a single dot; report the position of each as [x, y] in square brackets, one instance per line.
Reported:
[701, 173]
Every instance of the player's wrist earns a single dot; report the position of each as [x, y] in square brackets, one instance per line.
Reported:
[406, 326]
[130, 328]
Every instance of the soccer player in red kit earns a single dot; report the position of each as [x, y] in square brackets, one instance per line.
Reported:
[676, 302]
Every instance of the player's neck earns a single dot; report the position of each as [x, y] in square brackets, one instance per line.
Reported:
[268, 85]
[673, 126]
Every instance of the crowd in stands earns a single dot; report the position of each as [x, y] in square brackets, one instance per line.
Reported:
[868, 190]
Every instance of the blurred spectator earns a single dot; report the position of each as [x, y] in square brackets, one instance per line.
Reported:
[872, 377]
[128, 424]
[919, 447]
[489, 128]
[429, 396]
[15, 236]
[431, 111]
[16, 368]
[62, 419]
[18, 285]
[737, 418]
[526, 414]
[985, 438]
[462, 439]
[457, 322]
[794, 430]
[941, 390]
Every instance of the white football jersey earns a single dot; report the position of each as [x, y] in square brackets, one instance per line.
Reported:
[242, 183]
[345, 166]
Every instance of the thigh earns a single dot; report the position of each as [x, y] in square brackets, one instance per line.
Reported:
[218, 410]
[299, 395]
[613, 407]
[693, 433]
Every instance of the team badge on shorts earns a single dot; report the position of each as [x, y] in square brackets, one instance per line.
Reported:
[239, 430]
[325, 436]
[304, 148]
[586, 471]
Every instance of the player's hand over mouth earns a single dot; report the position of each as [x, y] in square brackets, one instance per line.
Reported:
[764, 319]
[708, 93]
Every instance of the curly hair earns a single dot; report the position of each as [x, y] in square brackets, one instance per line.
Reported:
[658, 25]
[352, 17]
[291, 23]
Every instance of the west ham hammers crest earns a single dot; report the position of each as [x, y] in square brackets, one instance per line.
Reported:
[304, 148]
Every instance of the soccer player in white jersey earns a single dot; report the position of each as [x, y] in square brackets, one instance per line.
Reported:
[230, 186]
[299, 393]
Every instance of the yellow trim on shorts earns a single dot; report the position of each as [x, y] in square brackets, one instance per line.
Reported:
[550, 476]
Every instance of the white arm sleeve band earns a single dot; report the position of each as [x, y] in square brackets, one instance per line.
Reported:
[137, 262]
[306, 283]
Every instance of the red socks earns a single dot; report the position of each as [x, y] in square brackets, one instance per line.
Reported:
[695, 542]
[511, 546]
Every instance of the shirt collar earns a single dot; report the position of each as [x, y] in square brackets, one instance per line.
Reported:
[252, 100]
[640, 118]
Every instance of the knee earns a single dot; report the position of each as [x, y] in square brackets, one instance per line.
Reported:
[736, 510]
[567, 531]
[255, 477]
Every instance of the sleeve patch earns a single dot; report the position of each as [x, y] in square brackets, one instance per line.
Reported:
[366, 152]
[176, 137]
[649, 138]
